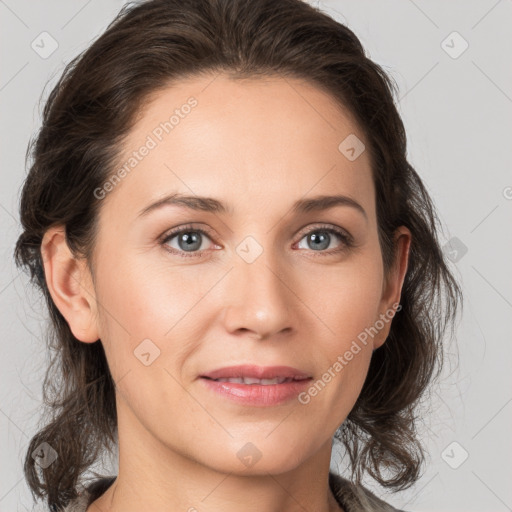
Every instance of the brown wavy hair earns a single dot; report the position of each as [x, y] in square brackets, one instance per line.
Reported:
[88, 114]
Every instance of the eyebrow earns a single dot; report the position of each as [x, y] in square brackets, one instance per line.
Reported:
[212, 205]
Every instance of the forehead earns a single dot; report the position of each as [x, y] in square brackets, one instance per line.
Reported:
[263, 141]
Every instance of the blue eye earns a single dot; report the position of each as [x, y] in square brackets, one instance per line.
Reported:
[189, 241]
[322, 237]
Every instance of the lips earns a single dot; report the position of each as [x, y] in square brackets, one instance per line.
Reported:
[251, 374]
[272, 386]
[253, 380]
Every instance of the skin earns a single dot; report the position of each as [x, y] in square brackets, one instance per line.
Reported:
[257, 145]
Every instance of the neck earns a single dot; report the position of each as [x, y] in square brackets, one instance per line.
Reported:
[154, 477]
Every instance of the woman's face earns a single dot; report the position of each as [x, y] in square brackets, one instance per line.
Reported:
[266, 284]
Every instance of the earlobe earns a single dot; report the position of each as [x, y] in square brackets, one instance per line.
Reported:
[392, 288]
[70, 285]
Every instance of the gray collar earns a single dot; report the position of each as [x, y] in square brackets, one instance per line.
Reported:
[351, 498]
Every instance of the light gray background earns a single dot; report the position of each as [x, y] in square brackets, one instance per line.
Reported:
[457, 113]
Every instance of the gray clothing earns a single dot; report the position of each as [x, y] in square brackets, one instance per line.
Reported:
[350, 497]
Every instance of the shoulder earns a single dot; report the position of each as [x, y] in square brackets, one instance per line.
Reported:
[357, 498]
[89, 494]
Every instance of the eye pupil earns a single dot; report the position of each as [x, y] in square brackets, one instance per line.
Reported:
[191, 242]
[320, 239]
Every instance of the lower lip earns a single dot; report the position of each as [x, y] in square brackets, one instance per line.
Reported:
[257, 394]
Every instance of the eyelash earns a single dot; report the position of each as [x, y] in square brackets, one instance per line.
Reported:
[347, 241]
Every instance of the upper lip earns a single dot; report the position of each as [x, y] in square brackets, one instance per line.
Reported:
[257, 372]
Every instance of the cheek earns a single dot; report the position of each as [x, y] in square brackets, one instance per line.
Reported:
[349, 307]
[143, 300]
[347, 297]
[131, 310]
[142, 303]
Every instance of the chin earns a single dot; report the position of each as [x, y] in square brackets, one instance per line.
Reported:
[254, 458]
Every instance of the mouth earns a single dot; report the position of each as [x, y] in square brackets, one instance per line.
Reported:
[255, 381]
[256, 386]
[252, 374]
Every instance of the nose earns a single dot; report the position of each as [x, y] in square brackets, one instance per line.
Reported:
[260, 299]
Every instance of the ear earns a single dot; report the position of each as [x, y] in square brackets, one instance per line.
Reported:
[392, 286]
[70, 285]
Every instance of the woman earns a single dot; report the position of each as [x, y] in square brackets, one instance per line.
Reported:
[239, 263]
